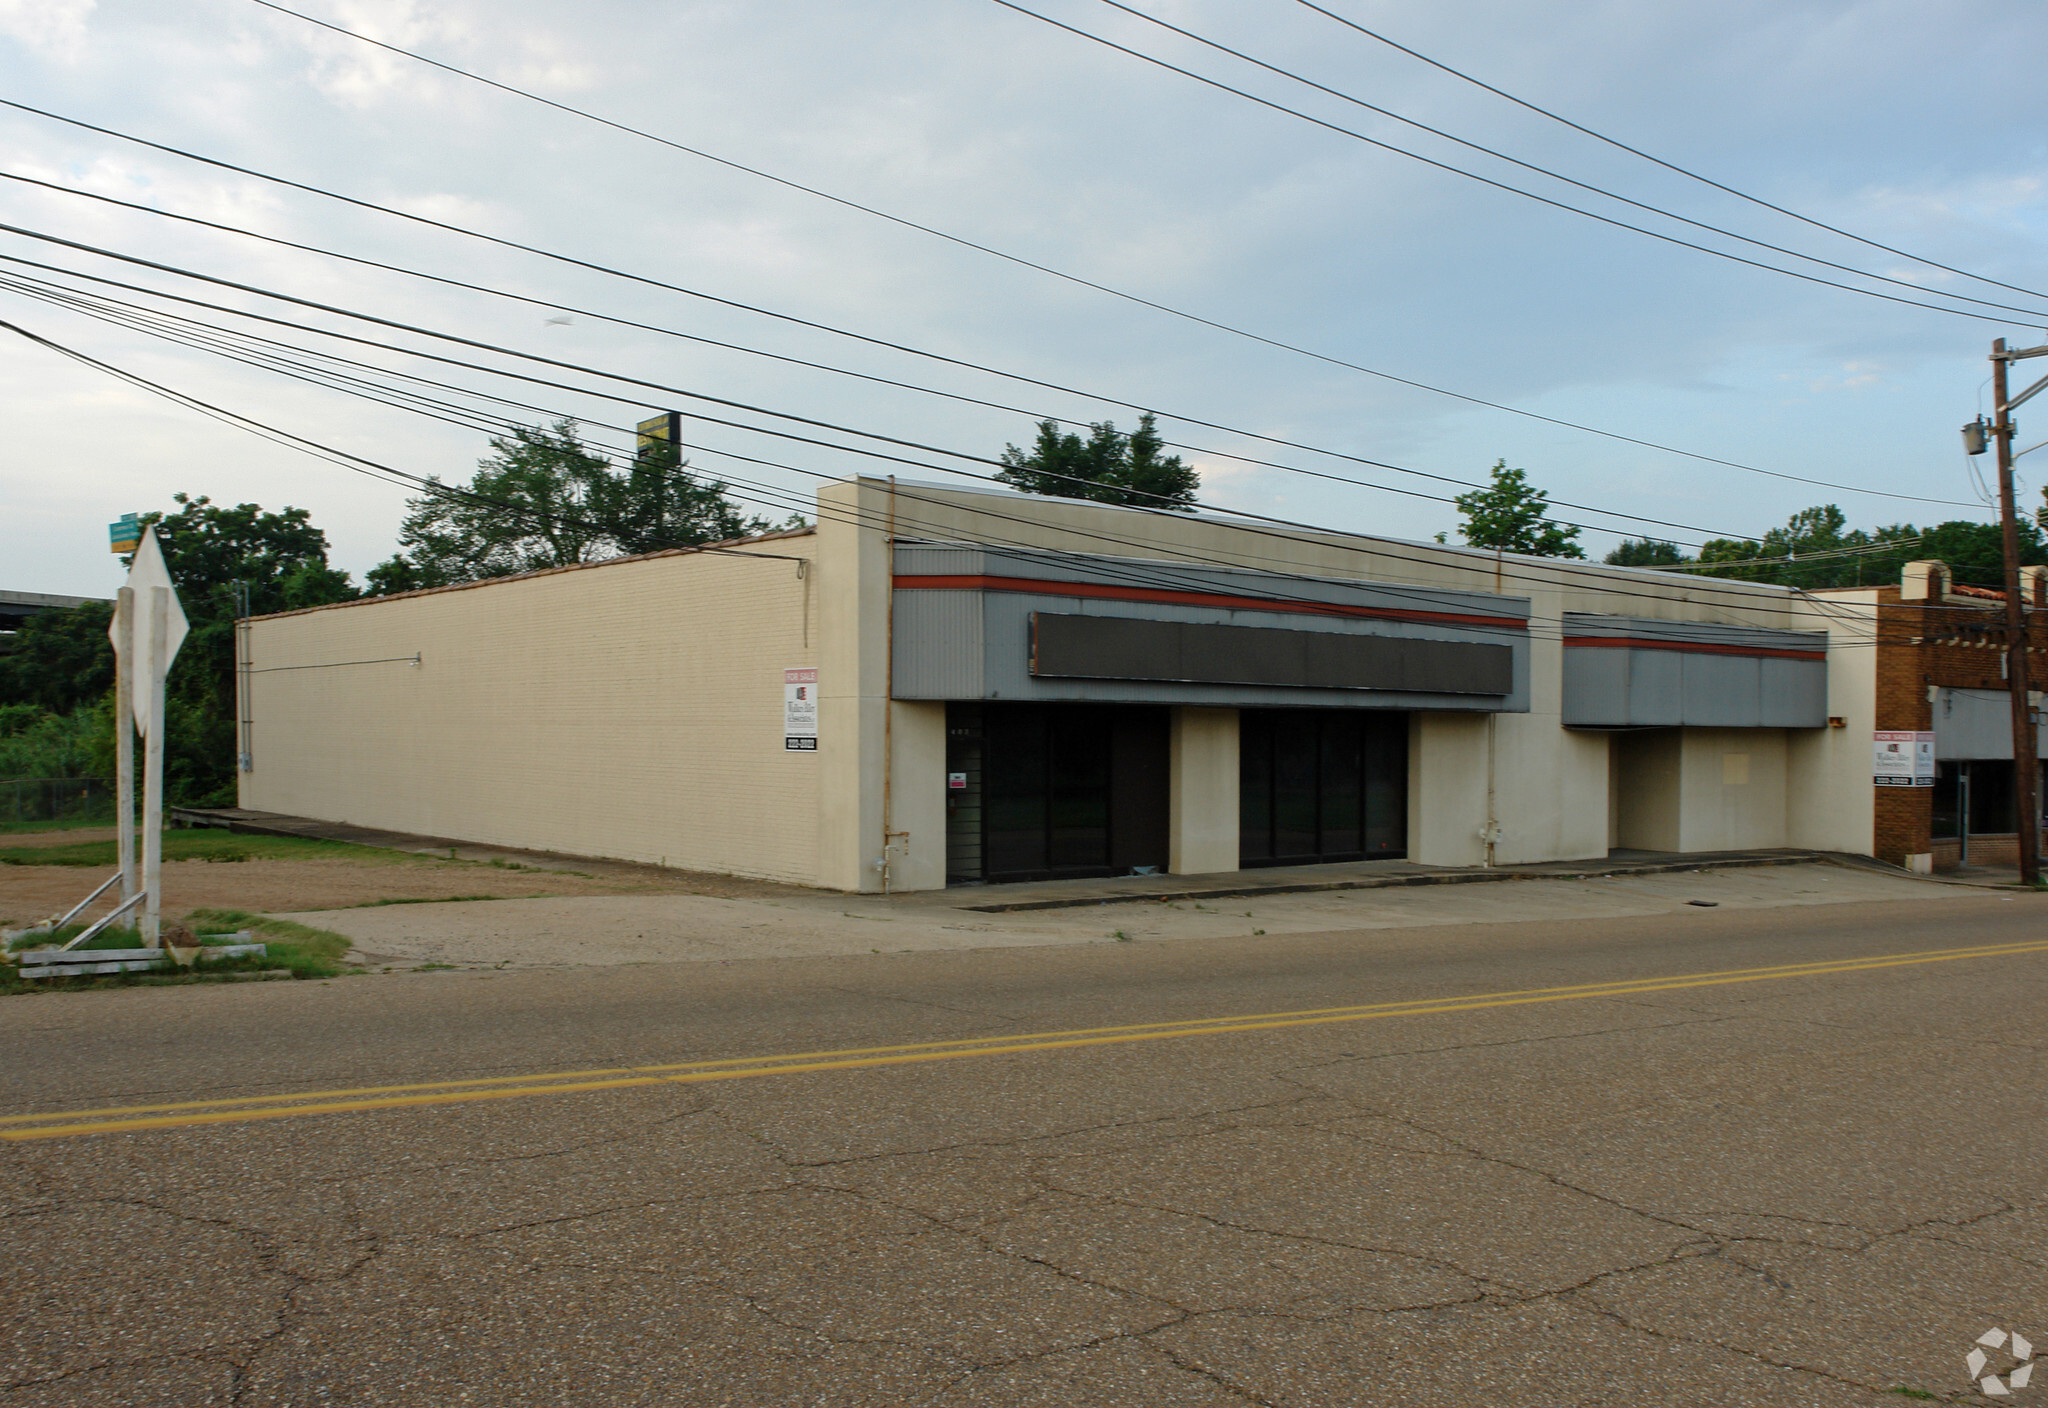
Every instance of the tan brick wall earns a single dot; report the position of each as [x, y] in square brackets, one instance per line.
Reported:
[630, 710]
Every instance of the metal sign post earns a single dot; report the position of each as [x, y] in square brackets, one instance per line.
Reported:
[124, 744]
[149, 626]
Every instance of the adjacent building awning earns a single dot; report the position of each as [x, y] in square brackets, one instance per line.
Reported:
[1977, 724]
[1632, 672]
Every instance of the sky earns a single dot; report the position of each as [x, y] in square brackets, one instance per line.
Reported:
[1922, 126]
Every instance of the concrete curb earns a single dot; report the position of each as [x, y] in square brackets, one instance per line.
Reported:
[1448, 877]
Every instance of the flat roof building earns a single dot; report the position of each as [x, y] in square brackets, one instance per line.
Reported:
[938, 685]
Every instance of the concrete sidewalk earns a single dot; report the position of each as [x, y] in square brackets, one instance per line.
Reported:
[1046, 894]
[684, 928]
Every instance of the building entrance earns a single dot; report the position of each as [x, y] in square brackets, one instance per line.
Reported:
[1052, 791]
[1321, 785]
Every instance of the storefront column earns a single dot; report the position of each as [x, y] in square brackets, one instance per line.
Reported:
[1202, 793]
[1448, 760]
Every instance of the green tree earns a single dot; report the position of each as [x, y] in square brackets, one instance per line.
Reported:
[63, 663]
[1512, 514]
[217, 554]
[60, 659]
[36, 742]
[1815, 550]
[1107, 467]
[541, 499]
[1976, 551]
[1645, 552]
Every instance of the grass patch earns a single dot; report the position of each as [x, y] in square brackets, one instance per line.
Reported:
[206, 844]
[304, 951]
[308, 952]
[70, 823]
[106, 938]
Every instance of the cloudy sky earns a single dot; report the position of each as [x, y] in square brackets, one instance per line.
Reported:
[1919, 125]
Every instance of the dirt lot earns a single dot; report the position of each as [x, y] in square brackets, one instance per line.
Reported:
[271, 884]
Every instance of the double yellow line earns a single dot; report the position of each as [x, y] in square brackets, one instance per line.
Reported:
[122, 1118]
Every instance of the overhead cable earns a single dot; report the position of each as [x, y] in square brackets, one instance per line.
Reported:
[1276, 343]
[1759, 597]
[1344, 131]
[2028, 313]
[1684, 171]
[598, 372]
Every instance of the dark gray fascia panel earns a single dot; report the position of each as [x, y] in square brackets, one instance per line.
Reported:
[1664, 674]
[1110, 647]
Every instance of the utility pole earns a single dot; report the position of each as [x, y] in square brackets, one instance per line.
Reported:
[2026, 773]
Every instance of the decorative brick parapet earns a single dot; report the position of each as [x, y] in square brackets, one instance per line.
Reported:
[1921, 645]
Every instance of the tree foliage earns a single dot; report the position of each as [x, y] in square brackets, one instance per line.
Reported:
[60, 659]
[63, 663]
[1513, 514]
[1816, 550]
[1645, 552]
[1107, 467]
[542, 498]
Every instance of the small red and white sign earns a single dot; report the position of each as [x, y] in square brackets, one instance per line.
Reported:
[800, 710]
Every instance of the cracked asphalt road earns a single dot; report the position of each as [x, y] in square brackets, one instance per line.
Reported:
[1806, 1190]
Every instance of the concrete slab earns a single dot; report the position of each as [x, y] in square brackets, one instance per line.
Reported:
[622, 929]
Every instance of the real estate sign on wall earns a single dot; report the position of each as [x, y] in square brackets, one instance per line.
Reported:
[1902, 758]
[800, 711]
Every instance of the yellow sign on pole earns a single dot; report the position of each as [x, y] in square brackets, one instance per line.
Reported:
[664, 429]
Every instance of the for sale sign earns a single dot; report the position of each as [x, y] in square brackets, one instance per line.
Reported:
[1902, 758]
[800, 710]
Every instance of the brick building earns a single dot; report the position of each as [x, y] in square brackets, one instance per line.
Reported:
[1937, 659]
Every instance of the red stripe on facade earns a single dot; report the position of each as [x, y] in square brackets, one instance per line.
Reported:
[1696, 647]
[1170, 598]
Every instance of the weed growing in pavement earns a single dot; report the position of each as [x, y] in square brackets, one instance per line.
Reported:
[1121, 937]
[433, 968]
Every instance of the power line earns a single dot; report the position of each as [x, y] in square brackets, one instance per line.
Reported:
[1758, 597]
[1555, 175]
[893, 346]
[1545, 170]
[913, 386]
[1667, 165]
[634, 381]
[124, 314]
[1076, 279]
[1497, 185]
[1748, 599]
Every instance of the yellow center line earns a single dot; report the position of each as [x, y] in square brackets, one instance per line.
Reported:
[60, 1124]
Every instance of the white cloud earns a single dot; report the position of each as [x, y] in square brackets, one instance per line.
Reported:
[53, 28]
[1907, 123]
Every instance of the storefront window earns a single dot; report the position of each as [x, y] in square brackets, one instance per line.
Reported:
[1321, 785]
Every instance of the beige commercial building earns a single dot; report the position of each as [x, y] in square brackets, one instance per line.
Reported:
[940, 685]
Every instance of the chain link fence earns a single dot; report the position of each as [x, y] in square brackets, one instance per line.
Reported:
[84, 800]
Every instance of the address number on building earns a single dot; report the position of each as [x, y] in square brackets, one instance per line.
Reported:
[800, 710]
[1902, 758]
